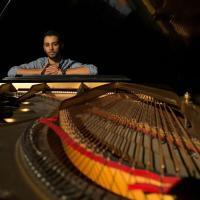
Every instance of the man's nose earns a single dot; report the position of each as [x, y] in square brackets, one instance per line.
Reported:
[51, 47]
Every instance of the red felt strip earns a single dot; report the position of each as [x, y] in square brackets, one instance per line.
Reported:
[138, 172]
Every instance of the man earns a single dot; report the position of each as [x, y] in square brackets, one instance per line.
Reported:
[54, 63]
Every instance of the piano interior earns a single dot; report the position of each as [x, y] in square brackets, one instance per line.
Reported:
[103, 139]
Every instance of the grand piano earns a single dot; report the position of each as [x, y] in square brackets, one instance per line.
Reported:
[96, 137]
[104, 136]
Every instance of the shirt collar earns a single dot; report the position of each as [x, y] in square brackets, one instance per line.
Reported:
[60, 63]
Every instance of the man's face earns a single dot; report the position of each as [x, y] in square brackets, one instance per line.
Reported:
[52, 46]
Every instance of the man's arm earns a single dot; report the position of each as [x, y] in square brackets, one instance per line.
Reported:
[28, 71]
[81, 69]
[78, 70]
[55, 70]
[23, 70]
[32, 68]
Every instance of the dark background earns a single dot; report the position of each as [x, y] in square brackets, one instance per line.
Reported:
[96, 33]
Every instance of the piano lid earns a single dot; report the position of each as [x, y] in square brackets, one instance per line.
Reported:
[179, 17]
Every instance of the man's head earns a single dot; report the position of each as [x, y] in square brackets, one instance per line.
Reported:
[52, 44]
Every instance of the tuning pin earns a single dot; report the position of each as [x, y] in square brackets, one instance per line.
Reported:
[187, 97]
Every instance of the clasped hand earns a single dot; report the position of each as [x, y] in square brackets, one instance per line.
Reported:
[52, 70]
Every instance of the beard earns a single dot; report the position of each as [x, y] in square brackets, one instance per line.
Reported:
[52, 55]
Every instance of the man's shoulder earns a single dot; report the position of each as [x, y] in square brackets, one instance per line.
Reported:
[41, 59]
[65, 61]
[38, 63]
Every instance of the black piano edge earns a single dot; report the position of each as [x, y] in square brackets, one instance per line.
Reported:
[69, 78]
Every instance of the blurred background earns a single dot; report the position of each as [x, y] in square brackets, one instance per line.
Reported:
[118, 36]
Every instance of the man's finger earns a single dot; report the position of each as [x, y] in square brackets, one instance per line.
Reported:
[52, 69]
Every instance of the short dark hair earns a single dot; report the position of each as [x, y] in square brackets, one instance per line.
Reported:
[54, 33]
